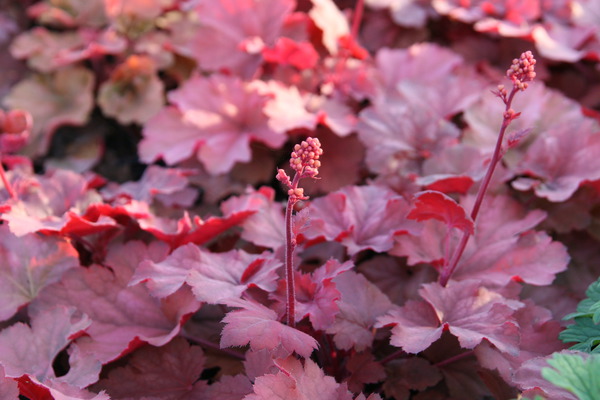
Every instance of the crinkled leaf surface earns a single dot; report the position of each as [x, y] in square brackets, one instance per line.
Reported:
[178, 232]
[156, 182]
[29, 264]
[360, 217]
[317, 294]
[266, 227]
[53, 202]
[232, 34]
[559, 162]
[122, 316]
[214, 277]
[469, 311]
[258, 326]
[170, 372]
[503, 248]
[539, 338]
[295, 381]
[361, 304]
[436, 205]
[218, 125]
[26, 350]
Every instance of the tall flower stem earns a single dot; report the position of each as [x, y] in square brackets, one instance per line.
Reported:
[521, 71]
[7, 185]
[305, 161]
[290, 240]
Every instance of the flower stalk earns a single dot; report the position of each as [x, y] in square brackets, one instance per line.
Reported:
[305, 162]
[521, 71]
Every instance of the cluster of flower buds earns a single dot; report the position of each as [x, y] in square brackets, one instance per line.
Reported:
[522, 70]
[305, 161]
[305, 158]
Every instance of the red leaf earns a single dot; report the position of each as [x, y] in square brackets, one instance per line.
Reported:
[301, 55]
[437, 205]
[185, 230]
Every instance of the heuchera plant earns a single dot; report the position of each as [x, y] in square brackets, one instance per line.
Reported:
[151, 247]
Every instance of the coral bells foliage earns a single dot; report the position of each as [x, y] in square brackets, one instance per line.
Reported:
[418, 245]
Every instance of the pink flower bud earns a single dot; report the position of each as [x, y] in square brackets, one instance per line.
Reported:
[522, 70]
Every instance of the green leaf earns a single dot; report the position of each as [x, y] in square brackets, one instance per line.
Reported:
[578, 375]
[589, 307]
[584, 333]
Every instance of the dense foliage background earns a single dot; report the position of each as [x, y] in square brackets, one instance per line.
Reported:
[143, 233]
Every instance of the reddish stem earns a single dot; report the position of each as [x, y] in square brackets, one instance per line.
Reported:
[210, 345]
[290, 245]
[455, 358]
[7, 185]
[392, 357]
[356, 18]
[448, 270]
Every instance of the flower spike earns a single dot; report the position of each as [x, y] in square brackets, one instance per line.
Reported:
[305, 162]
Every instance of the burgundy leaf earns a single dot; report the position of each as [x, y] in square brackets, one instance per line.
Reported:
[168, 372]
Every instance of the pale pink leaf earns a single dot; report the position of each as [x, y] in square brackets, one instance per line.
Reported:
[231, 35]
[266, 226]
[219, 277]
[157, 144]
[529, 377]
[219, 124]
[213, 277]
[169, 185]
[31, 349]
[397, 132]
[30, 263]
[559, 162]
[334, 24]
